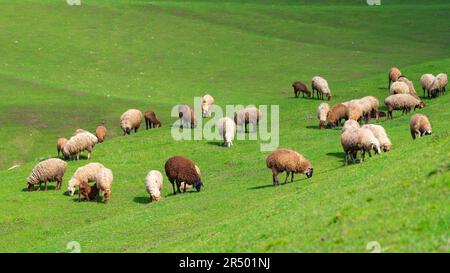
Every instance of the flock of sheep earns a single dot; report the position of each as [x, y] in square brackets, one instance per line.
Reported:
[183, 173]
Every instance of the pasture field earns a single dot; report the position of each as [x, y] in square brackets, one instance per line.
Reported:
[63, 68]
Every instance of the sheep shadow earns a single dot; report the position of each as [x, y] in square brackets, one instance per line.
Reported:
[281, 184]
[337, 154]
[216, 143]
[82, 157]
[142, 200]
[49, 187]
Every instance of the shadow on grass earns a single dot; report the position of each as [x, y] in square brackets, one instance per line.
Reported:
[41, 188]
[337, 154]
[216, 143]
[142, 200]
[281, 184]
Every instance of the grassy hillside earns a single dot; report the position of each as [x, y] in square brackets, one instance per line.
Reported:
[63, 68]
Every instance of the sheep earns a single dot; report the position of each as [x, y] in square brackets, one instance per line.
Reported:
[81, 142]
[227, 128]
[78, 131]
[207, 102]
[151, 121]
[181, 169]
[367, 142]
[153, 184]
[336, 114]
[402, 102]
[350, 124]
[187, 116]
[300, 87]
[399, 87]
[349, 142]
[87, 191]
[354, 112]
[322, 112]
[374, 103]
[394, 74]
[84, 173]
[49, 170]
[320, 85]
[130, 120]
[380, 133]
[248, 115]
[101, 132]
[427, 81]
[419, 125]
[409, 83]
[290, 161]
[187, 186]
[60, 145]
[104, 179]
[442, 80]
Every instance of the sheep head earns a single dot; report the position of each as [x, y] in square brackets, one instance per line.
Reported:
[198, 184]
[309, 172]
[156, 197]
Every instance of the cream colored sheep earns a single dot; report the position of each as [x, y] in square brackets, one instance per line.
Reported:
[380, 133]
[355, 111]
[207, 102]
[394, 74]
[86, 174]
[426, 81]
[60, 145]
[399, 88]
[402, 102]
[131, 120]
[290, 161]
[409, 83]
[419, 125]
[320, 85]
[187, 116]
[442, 80]
[78, 143]
[226, 128]
[153, 184]
[349, 142]
[375, 104]
[350, 124]
[78, 131]
[104, 179]
[49, 170]
[367, 142]
[249, 115]
[322, 112]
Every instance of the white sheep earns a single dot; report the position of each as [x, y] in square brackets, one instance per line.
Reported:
[49, 170]
[380, 133]
[130, 120]
[442, 80]
[78, 143]
[367, 142]
[322, 112]
[320, 85]
[375, 104]
[153, 184]
[426, 81]
[350, 124]
[226, 128]
[399, 87]
[249, 115]
[104, 179]
[409, 83]
[187, 116]
[86, 173]
[207, 102]
[349, 142]
[402, 102]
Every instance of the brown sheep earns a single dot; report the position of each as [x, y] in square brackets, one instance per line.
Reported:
[87, 191]
[290, 161]
[181, 169]
[151, 121]
[101, 132]
[394, 74]
[336, 114]
[419, 125]
[300, 87]
[60, 145]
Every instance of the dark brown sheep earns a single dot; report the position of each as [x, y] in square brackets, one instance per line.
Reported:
[336, 114]
[101, 132]
[300, 87]
[151, 121]
[181, 169]
[87, 191]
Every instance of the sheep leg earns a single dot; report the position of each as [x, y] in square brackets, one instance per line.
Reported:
[275, 177]
[39, 187]
[346, 159]
[363, 155]
[173, 186]
[370, 154]
[79, 196]
[89, 155]
[292, 176]
[287, 176]
[184, 190]
[178, 186]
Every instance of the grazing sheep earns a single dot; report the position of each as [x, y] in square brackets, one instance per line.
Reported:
[60, 145]
[49, 170]
[248, 115]
[78, 131]
[375, 104]
[322, 112]
[320, 85]
[409, 83]
[402, 102]
[181, 169]
[187, 186]
[153, 184]
[187, 116]
[207, 102]
[367, 142]
[101, 132]
[399, 88]
[151, 121]
[394, 74]
[380, 133]
[130, 120]
[87, 191]
[336, 114]
[354, 112]
[419, 125]
[84, 173]
[227, 128]
[350, 124]
[300, 87]
[442, 80]
[81, 142]
[290, 161]
[349, 142]
[427, 81]
[104, 179]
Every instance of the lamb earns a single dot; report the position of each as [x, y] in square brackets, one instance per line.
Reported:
[300, 87]
[151, 121]
[290, 161]
[81, 142]
[86, 174]
[227, 128]
[419, 125]
[60, 145]
[336, 114]
[49, 170]
[402, 102]
[153, 184]
[187, 116]
[442, 81]
[246, 116]
[380, 133]
[350, 124]
[207, 102]
[394, 74]
[322, 112]
[181, 169]
[367, 142]
[87, 191]
[427, 81]
[104, 179]
[130, 120]
[320, 85]
[101, 132]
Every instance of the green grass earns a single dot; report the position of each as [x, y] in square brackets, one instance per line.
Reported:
[63, 68]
